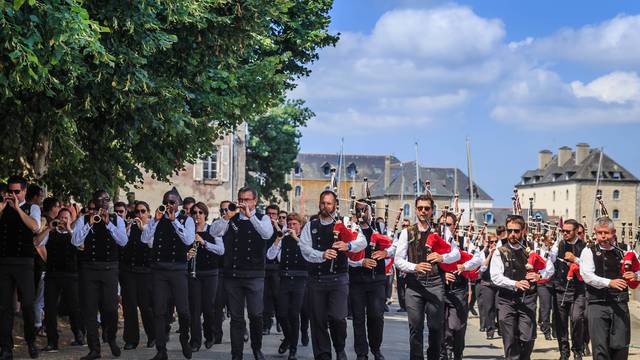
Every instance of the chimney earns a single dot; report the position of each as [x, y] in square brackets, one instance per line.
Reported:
[564, 154]
[544, 158]
[582, 151]
[387, 173]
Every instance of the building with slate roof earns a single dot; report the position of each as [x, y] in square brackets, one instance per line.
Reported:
[564, 184]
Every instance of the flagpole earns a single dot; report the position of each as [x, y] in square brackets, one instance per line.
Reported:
[471, 190]
[417, 178]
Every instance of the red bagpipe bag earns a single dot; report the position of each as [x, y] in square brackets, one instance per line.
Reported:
[535, 262]
[574, 270]
[377, 242]
[630, 263]
[453, 267]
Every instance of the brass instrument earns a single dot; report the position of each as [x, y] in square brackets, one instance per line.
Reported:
[162, 209]
[55, 223]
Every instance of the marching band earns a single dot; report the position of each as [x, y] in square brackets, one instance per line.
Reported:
[314, 271]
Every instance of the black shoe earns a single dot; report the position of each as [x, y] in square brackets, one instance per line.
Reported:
[115, 349]
[401, 310]
[292, 354]
[50, 348]
[195, 347]
[378, 356]
[151, 343]
[283, 347]
[564, 357]
[341, 355]
[161, 355]
[258, 355]
[386, 308]
[246, 335]
[208, 344]
[79, 340]
[91, 355]
[362, 357]
[304, 339]
[218, 340]
[547, 336]
[490, 335]
[577, 355]
[473, 312]
[278, 328]
[482, 329]
[186, 347]
[33, 350]
[129, 346]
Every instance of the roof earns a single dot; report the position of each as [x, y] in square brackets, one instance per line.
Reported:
[442, 182]
[586, 171]
[500, 215]
[370, 166]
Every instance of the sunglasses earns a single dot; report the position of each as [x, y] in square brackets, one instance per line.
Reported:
[423, 208]
[121, 211]
[566, 231]
[197, 212]
[224, 210]
[492, 242]
[170, 202]
[450, 224]
[14, 191]
[282, 217]
[517, 231]
[92, 209]
[140, 211]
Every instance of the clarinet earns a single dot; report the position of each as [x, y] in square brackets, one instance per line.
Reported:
[195, 256]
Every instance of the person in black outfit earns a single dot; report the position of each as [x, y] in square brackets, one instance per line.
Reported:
[135, 281]
[100, 238]
[487, 292]
[328, 276]
[401, 282]
[220, 302]
[244, 238]
[570, 297]
[367, 288]
[607, 294]
[18, 223]
[293, 282]
[545, 291]
[203, 280]
[170, 235]
[272, 274]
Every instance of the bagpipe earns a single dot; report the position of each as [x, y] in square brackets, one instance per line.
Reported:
[453, 267]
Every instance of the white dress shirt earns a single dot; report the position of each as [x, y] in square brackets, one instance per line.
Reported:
[186, 232]
[315, 256]
[81, 230]
[588, 270]
[496, 268]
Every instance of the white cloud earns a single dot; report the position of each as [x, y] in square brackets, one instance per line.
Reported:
[616, 87]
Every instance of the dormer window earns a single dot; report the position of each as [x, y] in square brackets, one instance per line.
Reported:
[326, 169]
[415, 188]
[488, 218]
[351, 170]
[616, 175]
[297, 169]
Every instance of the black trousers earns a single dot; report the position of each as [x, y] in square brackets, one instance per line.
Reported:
[270, 297]
[367, 305]
[290, 301]
[169, 283]
[610, 330]
[571, 311]
[136, 291]
[517, 324]
[305, 312]
[20, 277]
[65, 286]
[487, 299]
[328, 307]
[239, 291]
[546, 299]
[100, 292]
[425, 299]
[202, 295]
[219, 305]
[456, 312]
[401, 287]
[388, 286]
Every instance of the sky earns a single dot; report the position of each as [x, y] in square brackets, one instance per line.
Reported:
[514, 77]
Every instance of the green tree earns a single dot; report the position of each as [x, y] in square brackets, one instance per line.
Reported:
[273, 143]
[93, 92]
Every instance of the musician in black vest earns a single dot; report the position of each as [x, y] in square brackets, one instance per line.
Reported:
[61, 278]
[205, 258]
[401, 277]
[245, 236]
[569, 294]
[607, 294]
[170, 235]
[487, 292]
[18, 223]
[272, 274]
[580, 233]
[546, 292]
[100, 237]
[135, 281]
[367, 291]
[220, 301]
[293, 282]
[328, 277]
[517, 291]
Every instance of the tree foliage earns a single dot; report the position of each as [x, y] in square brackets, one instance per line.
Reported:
[93, 92]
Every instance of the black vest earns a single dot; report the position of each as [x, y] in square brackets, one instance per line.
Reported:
[135, 256]
[16, 239]
[362, 274]
[271, 264]
[515, 266]
[244, 254]
[62, 256]
[418, 251]
[206, 260]
[485, 276]
[99, 245]
[322, 239]
[608, 264]
[291, 261]
[168, 248]
[562, 268]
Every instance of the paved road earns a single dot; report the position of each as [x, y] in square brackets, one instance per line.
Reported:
[395, 345]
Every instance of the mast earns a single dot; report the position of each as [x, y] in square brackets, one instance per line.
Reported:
[471, 190]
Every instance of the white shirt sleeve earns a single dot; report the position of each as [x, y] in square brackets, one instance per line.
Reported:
[118, 231]
[216, 247]
[80, 232]
[219, 227]
[453, 255]
[359, 243]
[44, 241]
[391, 250]
[474, 263]
[497, 274]
[263, 227]
[401, 254]
[548, 271]
[588, 271]
[306, 246]
[36, 214]
[148, 232]
[186, 232]
[355, 263]
[274, 251]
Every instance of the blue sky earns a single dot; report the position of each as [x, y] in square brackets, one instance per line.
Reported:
[514, 77]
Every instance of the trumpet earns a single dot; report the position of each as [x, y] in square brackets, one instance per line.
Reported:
[162, 209]
[55, 223]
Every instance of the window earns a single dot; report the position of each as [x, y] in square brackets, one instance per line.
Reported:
[326, 169]
[538, 215]
[351, 193]
[407, 208]
[615, 215]
[297, 170]
[616, 194]
[488, 218]
[351, 170]
[298, 191]
[210, 167]
[616, 175]
[415, 187]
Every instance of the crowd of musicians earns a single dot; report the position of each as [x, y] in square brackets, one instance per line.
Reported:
[315, 273]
